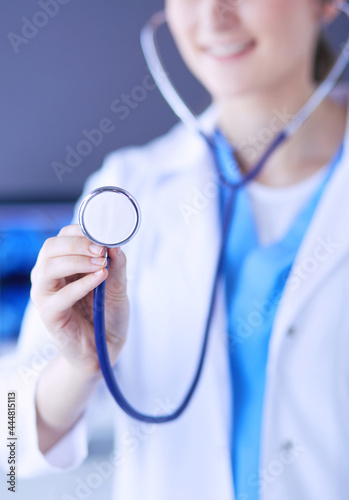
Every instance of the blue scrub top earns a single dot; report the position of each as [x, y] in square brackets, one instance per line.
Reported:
[255, 276]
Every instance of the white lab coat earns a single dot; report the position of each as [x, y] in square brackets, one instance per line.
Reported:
[171, 264]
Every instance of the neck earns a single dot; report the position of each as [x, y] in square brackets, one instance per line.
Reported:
[256, 116]
[251, 122]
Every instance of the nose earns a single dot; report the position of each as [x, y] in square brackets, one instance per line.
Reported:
[220, 15]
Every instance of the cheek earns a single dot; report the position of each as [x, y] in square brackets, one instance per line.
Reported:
[181, 16]
[287, 27]
[287, 48]
[182, 21]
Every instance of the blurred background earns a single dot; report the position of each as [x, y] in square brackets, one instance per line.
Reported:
[59, 84]
[65, 69]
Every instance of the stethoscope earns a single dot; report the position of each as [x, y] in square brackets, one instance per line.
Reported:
[124, 223]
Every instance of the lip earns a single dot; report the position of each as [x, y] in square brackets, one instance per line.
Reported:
[217, 51]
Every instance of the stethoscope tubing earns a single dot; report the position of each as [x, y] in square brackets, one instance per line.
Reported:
[102, 348]
[183, 112]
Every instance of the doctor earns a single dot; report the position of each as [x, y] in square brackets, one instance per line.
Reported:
[273, 427]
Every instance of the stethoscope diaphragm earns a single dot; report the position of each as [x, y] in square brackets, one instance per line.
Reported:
[109, 216]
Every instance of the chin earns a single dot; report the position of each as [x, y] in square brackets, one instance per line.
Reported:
[230, 84]
[235, 90]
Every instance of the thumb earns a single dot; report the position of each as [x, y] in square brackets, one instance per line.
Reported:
[117, 281]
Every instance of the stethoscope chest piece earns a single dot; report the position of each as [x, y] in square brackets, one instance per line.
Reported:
[109, 216]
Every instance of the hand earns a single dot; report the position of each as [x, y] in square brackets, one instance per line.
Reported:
[67, 270]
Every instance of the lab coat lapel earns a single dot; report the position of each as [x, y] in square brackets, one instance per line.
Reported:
[201, 232]
[324, 246]
[214, 392]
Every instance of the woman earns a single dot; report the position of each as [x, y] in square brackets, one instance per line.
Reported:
[270, 416]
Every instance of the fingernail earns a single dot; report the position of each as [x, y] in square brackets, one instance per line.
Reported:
[98, 273]
[97, 250]
[118, 251]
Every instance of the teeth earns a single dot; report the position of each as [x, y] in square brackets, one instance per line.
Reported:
[228, 50]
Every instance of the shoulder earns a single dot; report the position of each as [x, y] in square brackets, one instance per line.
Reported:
[167, 153]
[173, 152]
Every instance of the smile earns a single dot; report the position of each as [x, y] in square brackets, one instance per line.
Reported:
[229, 50]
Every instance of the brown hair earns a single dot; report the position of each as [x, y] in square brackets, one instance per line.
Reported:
[324, 59]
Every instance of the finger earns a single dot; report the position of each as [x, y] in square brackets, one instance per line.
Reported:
[61, 267]
[67, 297]
[71, 230]
[69, 245]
